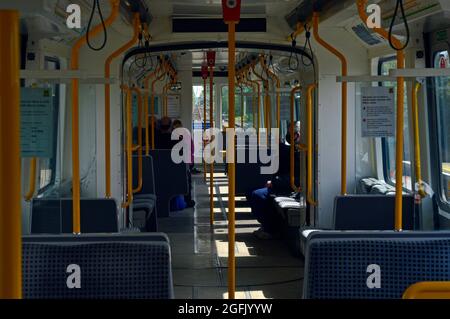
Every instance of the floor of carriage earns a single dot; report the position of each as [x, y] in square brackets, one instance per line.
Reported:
[264, 268]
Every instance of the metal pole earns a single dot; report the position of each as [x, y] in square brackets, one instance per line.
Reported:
[10, 196]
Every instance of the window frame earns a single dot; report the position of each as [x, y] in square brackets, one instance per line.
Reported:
[384, 142]
[434, 130]
[56, 105]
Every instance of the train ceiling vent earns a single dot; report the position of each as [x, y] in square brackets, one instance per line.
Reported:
[365, 35]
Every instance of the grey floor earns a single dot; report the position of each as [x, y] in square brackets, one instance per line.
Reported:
[264, 268]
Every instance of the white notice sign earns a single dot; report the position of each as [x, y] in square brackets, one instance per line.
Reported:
[173, 106]
[36, 122]
[377, 112]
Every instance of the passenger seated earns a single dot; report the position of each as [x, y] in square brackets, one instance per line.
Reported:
[260, 199]
[188, 198]
[163, 140]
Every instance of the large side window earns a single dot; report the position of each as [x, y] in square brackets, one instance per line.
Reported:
[442, 98]
[388, 144]
[47, 166]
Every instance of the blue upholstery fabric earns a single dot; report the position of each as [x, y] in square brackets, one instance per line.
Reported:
[119, 268]
[336, 262]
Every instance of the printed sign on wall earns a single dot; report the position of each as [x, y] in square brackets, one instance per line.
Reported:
[377, 112]
[36, 122]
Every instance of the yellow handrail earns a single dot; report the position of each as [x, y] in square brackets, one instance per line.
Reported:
[10, 194]
[299, 29]
[278, 87]
[211, 125]
[294, 187]
[152, 103]
[258, 114]
[74, 65]
[108, 63]
[129, 146]
[231, 163]
[266, 102]
[152, 100]
[32, 181]
[415, 115]
[241, 88]
[428, 290]
[343, 60]
[400, 118]
[139, 149]
[310, 157]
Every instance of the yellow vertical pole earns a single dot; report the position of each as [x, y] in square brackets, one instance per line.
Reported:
[147, 136]
[74, 64]
[343, 61]
[309, 113]
[231, 164]
[139, 146]
[211, 166]
[108, 63]
[10, 195]
[129, 147]
[415, 114]
[294, 187]
[361, 4]
[32, 181]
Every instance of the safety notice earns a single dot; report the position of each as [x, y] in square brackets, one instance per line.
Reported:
[377, 112]
[36, 122]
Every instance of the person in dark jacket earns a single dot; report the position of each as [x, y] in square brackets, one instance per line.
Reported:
[280, 185]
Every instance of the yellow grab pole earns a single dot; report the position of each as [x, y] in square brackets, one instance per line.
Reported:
[344, 68]
[147, 137]
[74, 65]
[108, 63]
[258, 114]
[152, 104]
[310, 159]
[231, 163]
[415, 115]
[400, 118]
[32, 181]
[299, 29]
[211, 125]
[278, 87]
[129, 147]
[266, 101]
[139, 148]
[294, 187]
[10, 196]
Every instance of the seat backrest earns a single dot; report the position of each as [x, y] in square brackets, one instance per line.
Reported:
[248, 175]
[148, 174]
[119, 267]
[54, 216]
[373, 265]
[372, 212]
[170, 180]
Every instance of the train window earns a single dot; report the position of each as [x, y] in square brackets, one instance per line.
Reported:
[442, 95]
[245, 103]
[388, 144]
[47, 166]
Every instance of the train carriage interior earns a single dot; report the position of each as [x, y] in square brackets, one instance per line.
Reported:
[234, 149]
